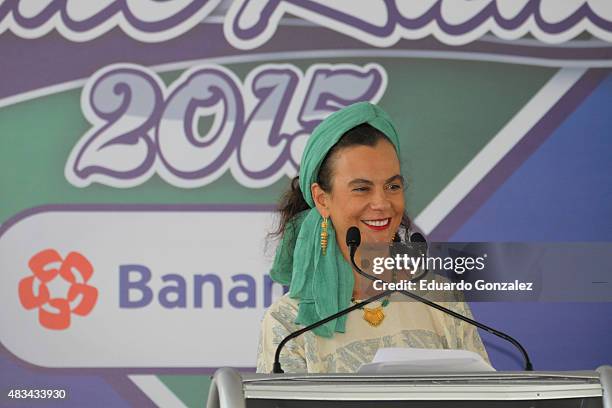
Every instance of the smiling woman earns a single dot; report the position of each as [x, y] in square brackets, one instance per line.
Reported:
[365, 187]
[349, 176]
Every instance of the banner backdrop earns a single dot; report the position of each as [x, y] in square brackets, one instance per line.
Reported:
[144, 145]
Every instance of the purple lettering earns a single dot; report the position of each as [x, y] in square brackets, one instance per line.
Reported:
[80, 21]
[198, 283]
[185, 154]
[248, 290]
[136, 133]
[126, 285]
[250, 24]
[177, 291]
[123, 106]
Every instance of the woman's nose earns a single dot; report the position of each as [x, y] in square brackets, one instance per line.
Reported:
[380, 201]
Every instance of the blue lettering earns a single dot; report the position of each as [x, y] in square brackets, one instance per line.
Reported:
[199, 281]
[135, 292]
[126, 285]
[249, 290]
[179, 292]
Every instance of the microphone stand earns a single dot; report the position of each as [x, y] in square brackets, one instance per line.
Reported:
[528, 365]
[353, 244]
[276, 368]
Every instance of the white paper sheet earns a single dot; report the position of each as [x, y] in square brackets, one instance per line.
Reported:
[420, 361]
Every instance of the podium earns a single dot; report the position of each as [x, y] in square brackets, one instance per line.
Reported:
[536, 389]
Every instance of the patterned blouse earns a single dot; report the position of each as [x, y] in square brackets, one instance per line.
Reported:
[407, 324]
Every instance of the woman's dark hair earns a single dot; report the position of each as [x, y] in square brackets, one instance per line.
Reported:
[292, 202]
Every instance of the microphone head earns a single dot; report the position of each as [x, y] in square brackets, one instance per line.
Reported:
[353, 237]
[417, 237]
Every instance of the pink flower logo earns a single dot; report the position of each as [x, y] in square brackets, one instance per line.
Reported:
[53, 312]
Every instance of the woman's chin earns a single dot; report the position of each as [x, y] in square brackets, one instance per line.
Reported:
[377, 237]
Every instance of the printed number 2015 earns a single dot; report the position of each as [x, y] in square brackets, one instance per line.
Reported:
[257, 127]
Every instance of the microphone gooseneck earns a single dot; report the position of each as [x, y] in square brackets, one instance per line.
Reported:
[353, 240]
[276, 367]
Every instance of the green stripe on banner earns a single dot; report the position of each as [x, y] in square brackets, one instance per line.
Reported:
[446, 111]
[449, 112]
[191, 389]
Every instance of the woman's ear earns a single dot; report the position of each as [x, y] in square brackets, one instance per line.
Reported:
[321, 199]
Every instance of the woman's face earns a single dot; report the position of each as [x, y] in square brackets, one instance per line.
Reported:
[367, 191]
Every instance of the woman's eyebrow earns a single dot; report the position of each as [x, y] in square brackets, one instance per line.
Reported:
[369, 182]
[396, 177]
[359, 181]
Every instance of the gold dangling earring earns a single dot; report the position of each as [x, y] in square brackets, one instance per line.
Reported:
[324, 236]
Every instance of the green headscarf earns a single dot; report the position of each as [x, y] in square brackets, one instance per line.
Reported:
[322, 283]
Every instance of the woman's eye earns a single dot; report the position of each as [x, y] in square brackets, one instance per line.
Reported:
[360, 189]
[394, 187]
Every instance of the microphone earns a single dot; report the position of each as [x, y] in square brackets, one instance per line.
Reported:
[416, 237]
[353, 240]
[353, 237]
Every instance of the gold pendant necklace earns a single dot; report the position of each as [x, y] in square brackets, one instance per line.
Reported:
[374, 315]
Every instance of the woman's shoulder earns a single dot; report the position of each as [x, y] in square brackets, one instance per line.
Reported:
[283, 310]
